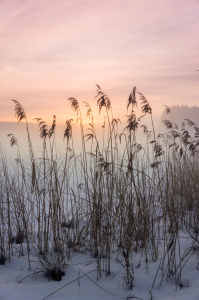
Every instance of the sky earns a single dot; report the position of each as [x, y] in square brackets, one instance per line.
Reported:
[52, 50]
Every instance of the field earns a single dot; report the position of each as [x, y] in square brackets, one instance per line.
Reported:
[119, 220]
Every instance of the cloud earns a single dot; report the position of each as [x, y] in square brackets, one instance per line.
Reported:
[49, 47]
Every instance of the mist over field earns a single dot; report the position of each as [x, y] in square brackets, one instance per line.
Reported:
[179, 114]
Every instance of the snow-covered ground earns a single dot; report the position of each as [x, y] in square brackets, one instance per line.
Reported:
[107, 287]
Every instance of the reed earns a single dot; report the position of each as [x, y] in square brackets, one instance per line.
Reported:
[114, 197]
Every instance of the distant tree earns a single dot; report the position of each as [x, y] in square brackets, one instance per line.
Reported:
[179, 113]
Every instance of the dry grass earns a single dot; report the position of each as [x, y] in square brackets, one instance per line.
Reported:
[119, 196]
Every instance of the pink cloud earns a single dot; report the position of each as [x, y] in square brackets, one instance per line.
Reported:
[59, 49]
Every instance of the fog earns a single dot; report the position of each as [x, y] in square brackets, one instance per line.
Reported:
[177, 115]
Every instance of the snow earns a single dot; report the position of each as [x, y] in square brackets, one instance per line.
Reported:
[88, 287]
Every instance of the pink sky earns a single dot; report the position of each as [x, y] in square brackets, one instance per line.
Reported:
[51, 50]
